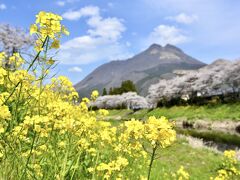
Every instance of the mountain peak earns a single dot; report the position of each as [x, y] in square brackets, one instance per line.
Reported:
[172, 47]
[143, 69]
[155, 46]
[168, 47]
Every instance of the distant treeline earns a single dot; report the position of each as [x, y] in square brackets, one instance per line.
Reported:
[126, 86]
[201, 100]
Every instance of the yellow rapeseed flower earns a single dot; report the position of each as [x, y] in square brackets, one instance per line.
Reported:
[2, 58]
[48, 25]
[182, 174]
[94, 95]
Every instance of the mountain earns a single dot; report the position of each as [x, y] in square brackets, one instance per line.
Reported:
[143, 69]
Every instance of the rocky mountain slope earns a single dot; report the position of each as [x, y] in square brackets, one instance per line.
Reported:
[144, 69]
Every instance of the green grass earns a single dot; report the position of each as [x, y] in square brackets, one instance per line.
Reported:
[201, 164]
[214, 112]
[119, 112]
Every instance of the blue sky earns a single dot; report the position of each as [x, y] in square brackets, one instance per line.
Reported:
[104, 30]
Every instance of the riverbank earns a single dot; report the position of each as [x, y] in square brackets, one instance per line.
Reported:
[220, 112]
[200, 152]
[200, 162]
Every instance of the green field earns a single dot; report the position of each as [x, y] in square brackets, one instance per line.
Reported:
[207, 112]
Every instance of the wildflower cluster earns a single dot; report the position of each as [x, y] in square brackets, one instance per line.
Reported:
[2, 57]
[181, 174]
[159, 132]
[48, 26]
[94, 95]
[45, 133]
[229, 168]
[114, 166]
[12, 62]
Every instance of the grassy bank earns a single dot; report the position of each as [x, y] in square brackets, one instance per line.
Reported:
[213, 112]
[200, 163]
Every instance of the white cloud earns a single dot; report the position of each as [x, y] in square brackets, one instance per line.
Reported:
[87, 49]
[64, 2]
[110, 4]
[183, 18]
[101, 41]
[164, 34]
[109, 28]
[3, 7]
[128, 44]
[75, 69]
[83, 12]
[61, 3]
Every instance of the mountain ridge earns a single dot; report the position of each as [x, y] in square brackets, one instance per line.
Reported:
[143, 69]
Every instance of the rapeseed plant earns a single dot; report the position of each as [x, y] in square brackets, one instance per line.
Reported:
[46, 133]
[229, 168]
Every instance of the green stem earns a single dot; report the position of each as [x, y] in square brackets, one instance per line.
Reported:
[12, 92]
[95, 167]
[38, 54]
[151, 162]
[17, 103]
[26, 165]
[75, 166]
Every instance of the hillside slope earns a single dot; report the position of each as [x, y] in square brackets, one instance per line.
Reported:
[144, 69]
